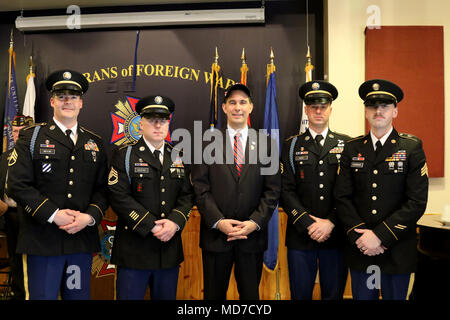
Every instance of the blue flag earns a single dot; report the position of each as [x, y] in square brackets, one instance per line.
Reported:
[11, 104]
[271, 124]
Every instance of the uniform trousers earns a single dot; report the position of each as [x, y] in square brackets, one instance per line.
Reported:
[302, 266]
[45, 277]
[393, 286]
[131, 283]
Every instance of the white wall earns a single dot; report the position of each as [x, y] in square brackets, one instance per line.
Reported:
[346, 23]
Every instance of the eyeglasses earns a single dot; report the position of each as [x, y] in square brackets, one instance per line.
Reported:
[159, 121]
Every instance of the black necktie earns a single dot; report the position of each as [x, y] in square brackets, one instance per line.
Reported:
[68, 133]
[378, 149]
[156, 153]
[318, 139]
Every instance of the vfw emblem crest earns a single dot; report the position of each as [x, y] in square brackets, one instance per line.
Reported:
[125, 122]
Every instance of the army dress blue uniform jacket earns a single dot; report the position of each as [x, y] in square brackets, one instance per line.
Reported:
[46, 174]
[308, 179]
[385, 193]
[140, 193]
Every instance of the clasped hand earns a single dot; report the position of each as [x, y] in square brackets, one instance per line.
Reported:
[368, 243]
[164, 229]
[235, 229]
[71, 221]
[321, 229]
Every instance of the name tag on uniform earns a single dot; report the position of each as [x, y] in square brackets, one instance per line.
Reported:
[357, 164]
[301, 158]
[141, 169]
[46, 151]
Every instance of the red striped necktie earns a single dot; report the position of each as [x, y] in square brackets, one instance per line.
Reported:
[238, 153]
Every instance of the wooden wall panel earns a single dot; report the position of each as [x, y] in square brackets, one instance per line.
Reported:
[413, 58]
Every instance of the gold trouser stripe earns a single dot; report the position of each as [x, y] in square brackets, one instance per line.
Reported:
[412, 278]
[355, 227]
[184, 216]
[390, 230]
[25, 276]
[115, 283]
[140, 220]
[299, 217]
[94, 205]
[39, 207]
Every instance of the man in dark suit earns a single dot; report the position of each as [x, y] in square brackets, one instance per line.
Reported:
[310, 162]
[151, 194]
[236, 200]
[381, 192]
[11, 216]
[57, 174]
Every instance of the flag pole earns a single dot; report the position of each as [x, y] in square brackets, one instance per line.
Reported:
[270, 70]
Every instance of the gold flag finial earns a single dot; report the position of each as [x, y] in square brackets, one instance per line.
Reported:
[243, 56]
[31, 64]
[272, 56]
[216, 57]
[11, 38]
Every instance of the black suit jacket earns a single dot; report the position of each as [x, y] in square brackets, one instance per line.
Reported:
[221, 193]
[385, 193]
[52, 176]
[308, 180]
[139, 199]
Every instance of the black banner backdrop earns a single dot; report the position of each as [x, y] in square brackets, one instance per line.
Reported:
[175, 62]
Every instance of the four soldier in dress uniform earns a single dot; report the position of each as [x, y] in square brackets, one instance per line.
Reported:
[366, 192]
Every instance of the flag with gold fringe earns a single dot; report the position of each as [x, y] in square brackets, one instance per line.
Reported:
[244, 73]
[271, 124]
[30, 94]
[215, 114]
[12, 101]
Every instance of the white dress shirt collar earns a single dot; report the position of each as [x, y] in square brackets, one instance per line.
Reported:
[382, 139]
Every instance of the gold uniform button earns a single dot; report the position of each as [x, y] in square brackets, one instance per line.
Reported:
[69, 195]
[72, 157]
[163, 202]
[321, 174]
[46, 157]
[163, 190]
[141, 175]
[126, 227]
[71, 170]
[322, 197]
[374, 198]
[374, 185]
[321, 186]
[163, 215]
[375, 171]
[162, 177]
[70, 182]
[374, 211]
[321, 162]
